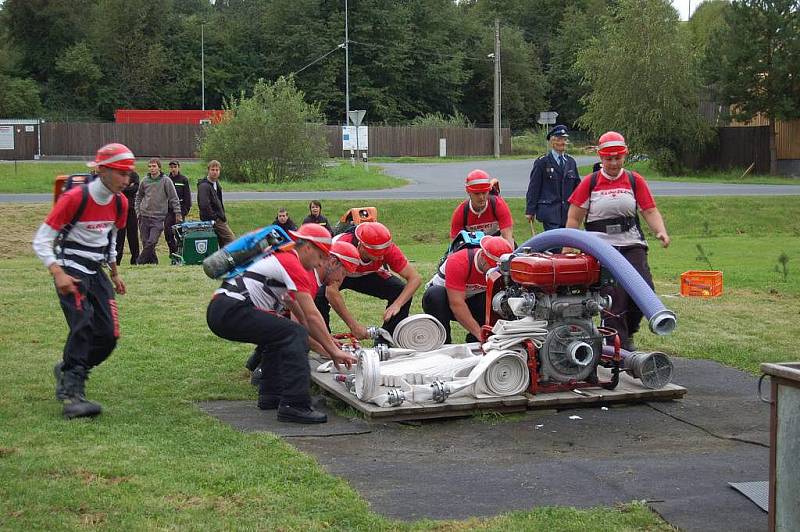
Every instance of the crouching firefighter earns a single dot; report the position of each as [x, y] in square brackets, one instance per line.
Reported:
[458, 289]
[75, 241]
[256, 307]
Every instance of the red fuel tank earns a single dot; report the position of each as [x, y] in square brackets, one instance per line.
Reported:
[550, 271]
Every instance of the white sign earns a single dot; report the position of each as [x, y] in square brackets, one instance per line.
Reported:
[28, 129]
[6, 137]
[547, 117]
[442, 147]
[349, 140]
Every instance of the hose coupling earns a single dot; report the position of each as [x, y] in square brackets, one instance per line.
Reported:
[441, 391]
[395, 397]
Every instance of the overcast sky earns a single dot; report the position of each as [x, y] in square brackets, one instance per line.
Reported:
[683, 7]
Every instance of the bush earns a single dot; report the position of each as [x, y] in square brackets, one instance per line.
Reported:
[439, 120]
[273, 136]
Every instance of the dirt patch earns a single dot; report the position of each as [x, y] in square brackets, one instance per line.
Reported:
[20, 222]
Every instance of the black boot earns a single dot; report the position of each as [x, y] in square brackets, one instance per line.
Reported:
[300, 414]
[61, 393]
[75, 403]
[268, 401]
[628, 344]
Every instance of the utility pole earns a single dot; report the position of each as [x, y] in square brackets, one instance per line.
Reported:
[202, 67]
[497, 88]
[346, 68]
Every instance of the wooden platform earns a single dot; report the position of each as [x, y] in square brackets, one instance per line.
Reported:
[628, 391]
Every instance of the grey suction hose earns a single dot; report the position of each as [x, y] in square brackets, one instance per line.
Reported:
[662, 321]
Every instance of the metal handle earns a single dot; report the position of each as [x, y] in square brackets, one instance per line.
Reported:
[760, 395]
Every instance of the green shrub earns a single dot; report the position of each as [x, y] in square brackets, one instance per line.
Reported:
[440, 120]
[271, 137]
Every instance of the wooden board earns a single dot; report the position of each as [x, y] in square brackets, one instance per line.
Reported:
[628, 391]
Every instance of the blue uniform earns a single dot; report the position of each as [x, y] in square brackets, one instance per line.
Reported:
[550, 188]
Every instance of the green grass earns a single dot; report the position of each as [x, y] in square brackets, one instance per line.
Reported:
[38, 177]
[153, 460]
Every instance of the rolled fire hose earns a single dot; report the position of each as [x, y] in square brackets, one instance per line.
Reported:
[497, 374]
[446, 363]
[661, 320]
[508, 333]
[420, 332]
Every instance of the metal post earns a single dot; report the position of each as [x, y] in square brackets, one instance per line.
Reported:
[346, 68]
[202, 67]
[497, 88]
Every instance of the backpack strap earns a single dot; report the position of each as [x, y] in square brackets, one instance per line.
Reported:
[492, 203]
[62, 235]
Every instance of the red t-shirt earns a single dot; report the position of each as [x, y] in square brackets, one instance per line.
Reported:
[459, 275]
[393, 258]
[486, 222]
[613, 198]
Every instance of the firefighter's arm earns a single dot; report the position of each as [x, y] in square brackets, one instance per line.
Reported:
[508, 234]
[575, 216]
[119, 285]
[413, 281]
[337, 303]
[457, 300]
[656, 223]
[319, 332]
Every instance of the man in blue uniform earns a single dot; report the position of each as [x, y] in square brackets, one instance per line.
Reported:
[553, 178]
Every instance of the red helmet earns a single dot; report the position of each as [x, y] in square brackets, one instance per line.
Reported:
[314, 233]
[347, 254]
[114, 155]
[611, 143]
[375, 237]
[478, 181]
[494, 247]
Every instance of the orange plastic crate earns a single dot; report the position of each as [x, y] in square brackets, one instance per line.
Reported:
[701, 283]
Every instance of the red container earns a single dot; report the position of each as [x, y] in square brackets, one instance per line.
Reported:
[167, 116]
[701, 283]
[550, 271]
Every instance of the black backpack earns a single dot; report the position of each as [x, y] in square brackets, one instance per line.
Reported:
[463, 240]
[492, 204]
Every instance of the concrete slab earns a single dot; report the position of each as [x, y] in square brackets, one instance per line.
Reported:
[245, 416]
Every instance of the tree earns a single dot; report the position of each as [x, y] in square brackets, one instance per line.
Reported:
[19, 98]
[272, 136]
[758, 62]
[643, 82]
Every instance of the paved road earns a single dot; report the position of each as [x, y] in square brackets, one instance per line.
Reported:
[446, 180]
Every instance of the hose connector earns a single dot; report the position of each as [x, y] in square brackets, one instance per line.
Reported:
[663, 322]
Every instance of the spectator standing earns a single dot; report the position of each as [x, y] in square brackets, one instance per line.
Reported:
[75, 241]
[553, 179]
[316, 217]
[482, 210]
[607, 202]
[212, 208]
[184, 191]
[131, 229]
[283, 220]
[156, 196]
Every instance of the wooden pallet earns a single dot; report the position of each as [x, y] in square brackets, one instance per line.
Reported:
[628, 391]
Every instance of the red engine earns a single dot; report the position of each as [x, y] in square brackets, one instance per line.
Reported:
[549, 272]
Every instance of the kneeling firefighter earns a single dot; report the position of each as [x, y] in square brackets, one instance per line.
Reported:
[255, 307]
[458, 289]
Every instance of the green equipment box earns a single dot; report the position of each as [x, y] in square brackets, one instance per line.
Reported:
[196, 241]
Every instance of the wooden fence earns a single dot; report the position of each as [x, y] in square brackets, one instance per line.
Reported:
[736, 147]
[181, 141]
[787, 135]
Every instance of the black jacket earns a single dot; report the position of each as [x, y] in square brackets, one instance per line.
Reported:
[184, 191]
[321, 220]
[210, 202]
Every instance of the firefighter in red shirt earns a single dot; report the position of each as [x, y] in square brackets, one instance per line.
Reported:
[483, 210]
[458, 289]
[75, 242]
[371, 277]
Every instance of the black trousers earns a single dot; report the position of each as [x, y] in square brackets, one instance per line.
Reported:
[282, 342]
[372, 285]
[92, 319]
[132, 232]
[169, 234]
[435, 303]
[627, 315]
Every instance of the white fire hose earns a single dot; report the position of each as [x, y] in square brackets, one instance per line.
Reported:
[509, 333]
[420, 332]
